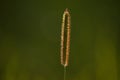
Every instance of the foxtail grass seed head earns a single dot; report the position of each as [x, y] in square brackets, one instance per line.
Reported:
[66, 23]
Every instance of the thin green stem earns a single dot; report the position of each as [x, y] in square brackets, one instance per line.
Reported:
[64, 72]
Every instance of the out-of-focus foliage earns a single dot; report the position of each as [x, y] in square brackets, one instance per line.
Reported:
[30, 39]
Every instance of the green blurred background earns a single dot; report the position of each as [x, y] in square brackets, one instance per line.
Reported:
[30, 39]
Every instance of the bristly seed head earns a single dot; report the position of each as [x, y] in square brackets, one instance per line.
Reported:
[64, 62]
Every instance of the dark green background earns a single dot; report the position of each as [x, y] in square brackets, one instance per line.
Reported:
[30, 39]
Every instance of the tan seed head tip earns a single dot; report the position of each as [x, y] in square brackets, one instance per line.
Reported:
[67, 10]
